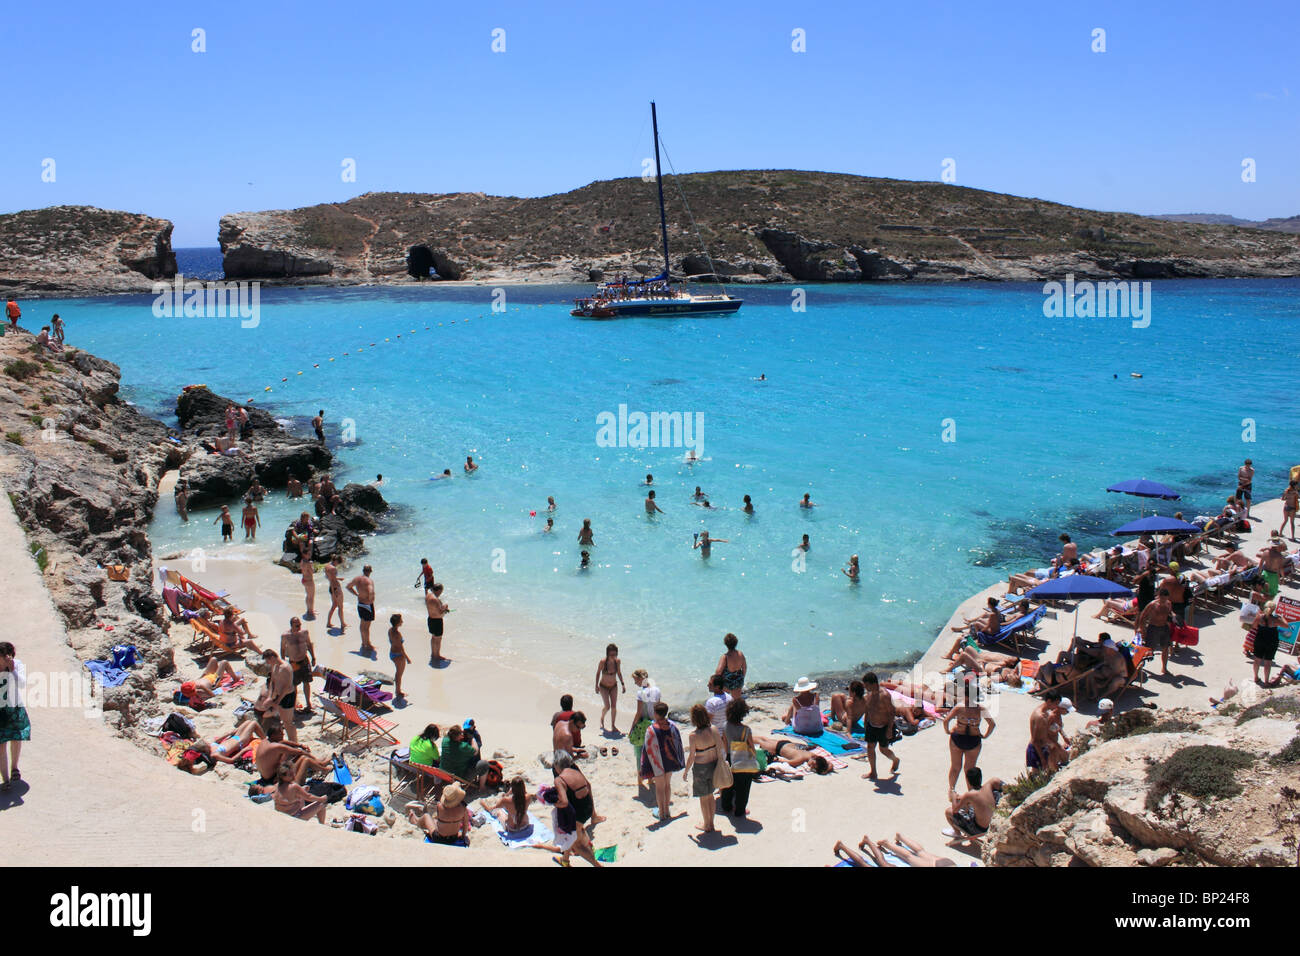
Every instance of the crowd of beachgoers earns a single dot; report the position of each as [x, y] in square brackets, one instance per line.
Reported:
[711, 743]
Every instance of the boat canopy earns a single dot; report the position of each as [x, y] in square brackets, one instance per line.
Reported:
[661, 277]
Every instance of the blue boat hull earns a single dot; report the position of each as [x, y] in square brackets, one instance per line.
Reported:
[667, 307]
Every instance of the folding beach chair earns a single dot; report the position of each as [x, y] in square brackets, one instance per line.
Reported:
[376, 728]
[425, 779]
[1013, 632]
[1137, 669]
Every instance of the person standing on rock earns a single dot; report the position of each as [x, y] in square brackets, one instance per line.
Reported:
[58, 328]
[245, 425]
[318, 423]
[363, 588]
[252, 520]
[13, 313]
[336, 592]
[232, 431]
[297, 649]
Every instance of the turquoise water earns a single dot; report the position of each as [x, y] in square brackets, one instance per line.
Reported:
[858, 387]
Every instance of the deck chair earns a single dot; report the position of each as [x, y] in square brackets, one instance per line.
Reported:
[424, 779]
[1137, 669]
[1014, 631]
[356, 722]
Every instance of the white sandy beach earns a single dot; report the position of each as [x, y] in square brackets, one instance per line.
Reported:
[127, 805]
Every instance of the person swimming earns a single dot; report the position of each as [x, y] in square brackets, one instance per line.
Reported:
[446, 473]
[807, 501]
[651, 507]
[586, 561]
[749, 506]
[585, 537]
[470, 467]
[704, 543]
[649, 480]
[852, 572]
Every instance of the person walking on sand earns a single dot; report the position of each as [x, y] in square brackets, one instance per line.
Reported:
[661, 757]
[609, 674]
[227, 524]
[879, 725]
[585, 538]
[647, 695]
[705, 746]
[965, 739]
[397, 652]
[363, 588]
[1290, 503]
[279, 694]
[336, 592]
[1245, 482]
[307, 572]
[651, 507]
[252, 520]
[318, 425]
[732, 667]
[434, 609]
[1154, 625]
[296, 648]
[15, 726]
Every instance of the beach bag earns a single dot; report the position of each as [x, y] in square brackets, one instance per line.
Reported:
[1187, 636]
[360, 798]
[181, 726]
[124, 656]
[722, 778]
[742, 756]
[332, 792]
[360, 824]
[118, 572]
[495, 775]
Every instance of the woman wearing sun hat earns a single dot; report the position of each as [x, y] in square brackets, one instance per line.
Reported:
[805, 712]
[450, 826]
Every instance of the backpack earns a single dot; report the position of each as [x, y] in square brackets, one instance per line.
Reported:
[494, 777]
[332, 792]
[181, 726]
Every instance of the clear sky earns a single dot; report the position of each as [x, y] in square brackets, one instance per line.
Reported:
[413, 92]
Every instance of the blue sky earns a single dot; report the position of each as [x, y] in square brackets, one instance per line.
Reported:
[413, 93]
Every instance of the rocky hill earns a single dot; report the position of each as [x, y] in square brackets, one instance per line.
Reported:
[1276, 224]
[758, 225]
[1182, 788]
[82, 250]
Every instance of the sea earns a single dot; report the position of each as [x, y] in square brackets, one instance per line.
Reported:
[946, 433]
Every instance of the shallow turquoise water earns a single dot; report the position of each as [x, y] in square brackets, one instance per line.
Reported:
[857, 390]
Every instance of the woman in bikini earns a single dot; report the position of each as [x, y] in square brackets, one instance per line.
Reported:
[732, 667]
[336, 593]
[397, 652]
[585, 538]
[609, 674]
[701, 761]
[964, 738]
[451, 824]
[292, 798]
[308, 575]
[1290, 504]
[512, 808]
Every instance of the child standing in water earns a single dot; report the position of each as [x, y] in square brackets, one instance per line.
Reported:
[227, 524]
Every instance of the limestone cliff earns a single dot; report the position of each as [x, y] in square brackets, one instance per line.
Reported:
[82, 250]
[756, 225]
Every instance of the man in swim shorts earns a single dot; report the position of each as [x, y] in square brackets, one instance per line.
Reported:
[1245, 482]
[1154, 626]
[434, 609]
[363, 588]
[879, 724]
[1272, 564]
[279, 694]
[318, 423]
[297, 649]
[971, 814]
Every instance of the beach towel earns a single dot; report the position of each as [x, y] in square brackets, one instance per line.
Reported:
[607, 854]
[889, 857]
[832, 742]
[536, 833]
[229, 683]
[124, 656]
[106, 673]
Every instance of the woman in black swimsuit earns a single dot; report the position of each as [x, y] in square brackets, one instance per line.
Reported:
[1266, 639]
[964, 739]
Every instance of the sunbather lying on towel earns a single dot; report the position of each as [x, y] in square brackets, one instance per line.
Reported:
[205, 688]
[1033, 577]
[796, 755]
[981, 661]
[910, 852]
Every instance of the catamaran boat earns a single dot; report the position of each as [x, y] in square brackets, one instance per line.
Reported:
[661, 295]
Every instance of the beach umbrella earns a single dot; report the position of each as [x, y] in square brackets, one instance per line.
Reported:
[1078, 586]
[1156, 525]
[1145, 489]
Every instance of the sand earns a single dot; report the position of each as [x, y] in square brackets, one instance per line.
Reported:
[128, 806]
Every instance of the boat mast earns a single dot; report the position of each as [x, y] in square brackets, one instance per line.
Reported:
[659, 178]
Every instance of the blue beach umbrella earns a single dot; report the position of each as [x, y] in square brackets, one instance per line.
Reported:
[1078, 586]
[1145, 489]
[1156, 525]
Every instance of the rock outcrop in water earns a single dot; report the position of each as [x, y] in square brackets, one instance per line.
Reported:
[82, 250]
[271, 454]
[757, 225]
[1133, 800]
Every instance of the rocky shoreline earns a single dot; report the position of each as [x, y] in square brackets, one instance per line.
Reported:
[82, 468]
